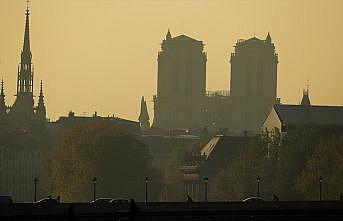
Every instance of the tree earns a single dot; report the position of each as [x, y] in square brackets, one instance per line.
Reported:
[118, 160]
[326, 161]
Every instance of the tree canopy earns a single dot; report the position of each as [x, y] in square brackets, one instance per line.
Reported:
[118, 159]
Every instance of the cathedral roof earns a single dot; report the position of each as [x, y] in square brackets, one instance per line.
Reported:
[310, 115]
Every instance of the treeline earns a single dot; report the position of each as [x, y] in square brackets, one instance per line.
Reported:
[290, 167]
[119, 161]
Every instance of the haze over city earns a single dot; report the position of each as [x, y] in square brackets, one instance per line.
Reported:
[102, 55]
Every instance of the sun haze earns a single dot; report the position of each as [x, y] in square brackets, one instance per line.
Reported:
[101, 55]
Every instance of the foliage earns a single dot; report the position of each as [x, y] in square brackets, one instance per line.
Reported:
[280, 161]
[118, 160]
[326, 161]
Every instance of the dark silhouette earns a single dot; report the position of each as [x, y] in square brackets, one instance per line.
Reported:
[275, 198]
[189, 199]
[183, 102]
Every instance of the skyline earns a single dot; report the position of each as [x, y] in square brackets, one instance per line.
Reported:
[62, 69]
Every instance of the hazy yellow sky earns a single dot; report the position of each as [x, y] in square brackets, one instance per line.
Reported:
[101, 55]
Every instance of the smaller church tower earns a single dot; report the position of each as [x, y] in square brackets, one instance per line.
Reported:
[2, 101]
[144, 116]
[41, 110]
[305, 101]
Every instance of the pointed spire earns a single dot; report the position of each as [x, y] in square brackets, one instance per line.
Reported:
[26, 45]
[41, 89]
[144, 116]
[305, 101]
[268, 38]
[41, 110]
[2, 88]
[2, 100]
[168, 36]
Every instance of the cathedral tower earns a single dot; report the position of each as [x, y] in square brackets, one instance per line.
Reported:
[253, 81]
[181, 83]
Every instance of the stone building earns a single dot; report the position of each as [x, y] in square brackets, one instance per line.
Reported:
[288, 117]
[182, 101]
[181, 83]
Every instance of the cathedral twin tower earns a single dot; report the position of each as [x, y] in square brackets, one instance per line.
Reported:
[182, 101]
[23, 112]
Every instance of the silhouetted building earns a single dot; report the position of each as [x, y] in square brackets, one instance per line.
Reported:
[68, 122]
[181, 83]
[23, 127]
[212, 158]
[23, 113]
[182, 101]
[144, 116]
[287, 117]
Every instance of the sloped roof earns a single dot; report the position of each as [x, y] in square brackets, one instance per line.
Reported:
[314, 115]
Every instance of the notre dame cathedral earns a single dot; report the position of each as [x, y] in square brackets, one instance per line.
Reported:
[182, 101]
[23, 113]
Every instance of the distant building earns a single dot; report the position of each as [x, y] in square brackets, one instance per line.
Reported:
[68, 122]
[23, 113]
[182, 101]
[287, 117]
[23, 128]
[181, 83]
[212, 158]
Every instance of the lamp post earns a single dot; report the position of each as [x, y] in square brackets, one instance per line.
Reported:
[206, 185]
[320, 188]
[258, 179]
[35, 181]
[95, 180]
[146, 189]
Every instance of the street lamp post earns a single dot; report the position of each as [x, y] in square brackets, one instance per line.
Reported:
[206, 186]
[320, 188]
[146, 189]
[95, 180]
[258, 179]
[35, 181]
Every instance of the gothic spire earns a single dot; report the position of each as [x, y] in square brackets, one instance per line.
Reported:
[2, 99]
[144, 116]
[41, 110]
[41, 96]
[305, 101]
[26, 45]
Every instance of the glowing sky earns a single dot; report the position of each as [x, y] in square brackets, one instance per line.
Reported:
[101, 55]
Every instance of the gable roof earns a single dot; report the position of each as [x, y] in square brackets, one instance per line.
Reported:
[314, 115]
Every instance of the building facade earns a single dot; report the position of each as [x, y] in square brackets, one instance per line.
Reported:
[181, 83]
[182, 101]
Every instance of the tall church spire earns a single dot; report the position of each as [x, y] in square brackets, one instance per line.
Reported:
[23, 107]
[26, 45]
[144, 116]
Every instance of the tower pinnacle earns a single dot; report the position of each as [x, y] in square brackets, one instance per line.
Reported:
[41, 110]
[144, 116]
[168, 36]
[2, 100]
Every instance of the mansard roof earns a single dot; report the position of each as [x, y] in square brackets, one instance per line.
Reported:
[291, 115]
